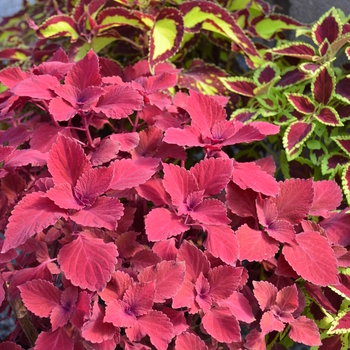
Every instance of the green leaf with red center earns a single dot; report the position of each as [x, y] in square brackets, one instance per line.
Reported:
[212, 17]
[117, 16]
[298, 50]
[203, 77]
[342, 90]
[58, 26]
[296, 135]
[328, 116]
[240, 85]
[166, 35]
[301, 103]
[328, 27]
[323, 84]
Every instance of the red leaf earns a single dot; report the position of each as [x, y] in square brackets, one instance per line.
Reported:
[204, 112]
[161, 224]
[196, 261]
[255, 340]
[95, 330]
[85, 72]
[11, 76]
[337, 228]
[250, 175]
[140, 297]
[88, 263]
[265, 293]
[312, 258]
[189, 341]
[105, 212]
[62, 195]
[31, 215]
[81, 311]
[327, 197]
[160, 335]
[189, 136]
[210, 212]
[255, 245]
[106, 151]
[120, 314]
[168, 277]
[61, 110]
[40, 297]
[222, 243]
[24, 157]
[223, 281]
[54, 340]
[177, 318]
[241, 202]
[37, 86]
[7, 345]
[269, 323]
[303, 330]
[129, 173]
[154, 191]
[186, 298]
[294, 199]
[212, 175]
[166, 249]
[179, 183]
[203, 298]
[128, 141]
[239, 307]
[118, 102]
[143, 259]
[67, 161]
[116, 287]
[222, 325]
[287, 299]
[282, 231]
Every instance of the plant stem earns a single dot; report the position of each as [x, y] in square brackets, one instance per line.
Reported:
[87, 131]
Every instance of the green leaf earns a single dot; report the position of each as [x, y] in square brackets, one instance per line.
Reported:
[313, 144]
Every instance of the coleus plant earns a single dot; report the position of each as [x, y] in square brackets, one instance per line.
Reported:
[302, 91]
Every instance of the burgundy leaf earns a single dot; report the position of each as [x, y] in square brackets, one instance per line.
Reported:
[118, 102]
[7, 345]
[328, 116]
[67, 161]
[57, 339]
[95, 330]
[303, 330]
[40, 297]
[255, 245]
[88, 263]
[241, 202]
[296, 135]
[161, 224]
[168, 277]
[323, 85]
[240, 85]
[222, 325]
[31, 215]
[222, 243]
[336, 228]
[312, 258]
[294, 199]
[328, 27]
[160, 336]
[301, 103]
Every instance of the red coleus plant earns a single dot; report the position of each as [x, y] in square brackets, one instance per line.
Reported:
[112, 240]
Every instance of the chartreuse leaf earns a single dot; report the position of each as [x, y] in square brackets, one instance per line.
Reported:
[117, 16]
[268, 26]
[209, 16]
[166, 36]
[58, 26]
[97, 45]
